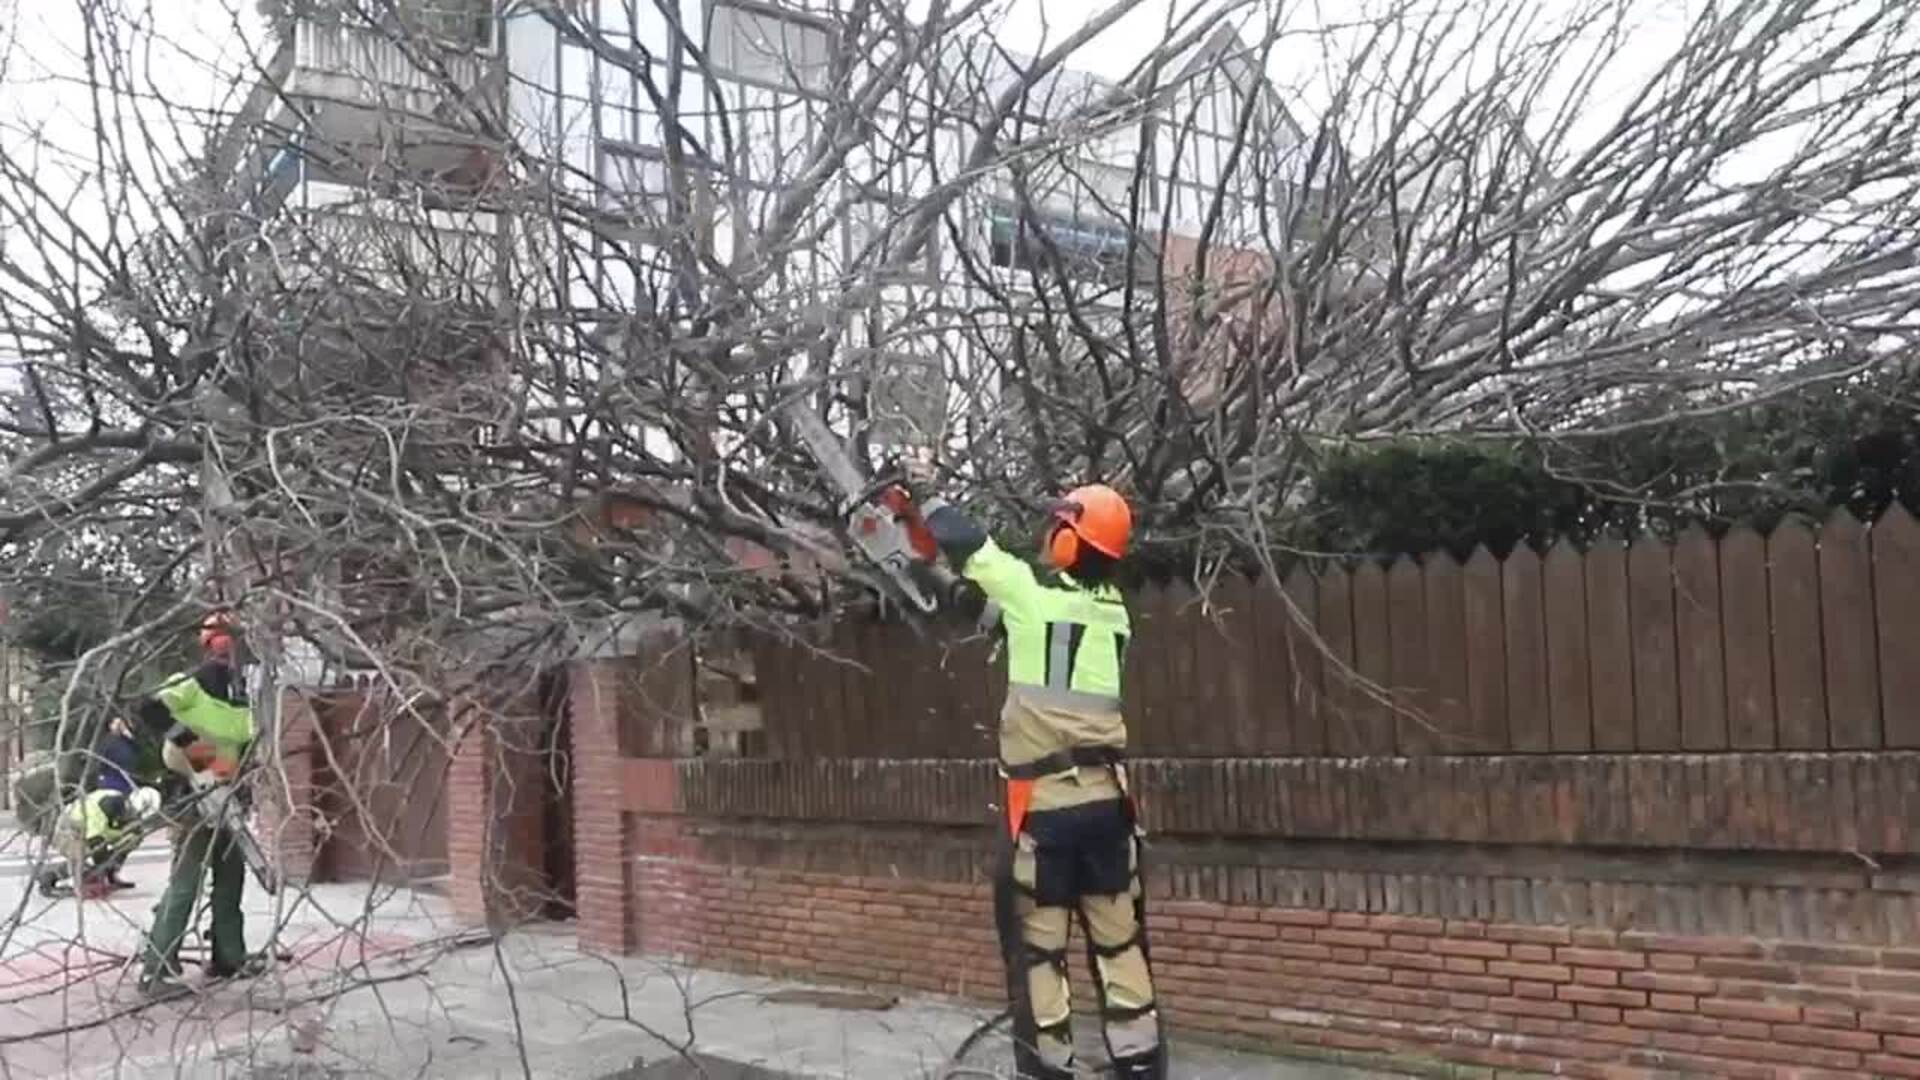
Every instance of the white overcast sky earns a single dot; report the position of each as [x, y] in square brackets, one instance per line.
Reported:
[201, 50]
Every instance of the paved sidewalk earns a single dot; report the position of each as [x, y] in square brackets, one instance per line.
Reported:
[432, 1003]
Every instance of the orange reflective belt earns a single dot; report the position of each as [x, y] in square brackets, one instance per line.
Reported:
[1019, 797]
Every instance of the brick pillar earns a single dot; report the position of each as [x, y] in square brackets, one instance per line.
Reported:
[603, 856]
[286, 806]
[496, 811]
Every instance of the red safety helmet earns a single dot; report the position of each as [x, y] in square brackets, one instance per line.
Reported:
[1094, 515]
[216, 634]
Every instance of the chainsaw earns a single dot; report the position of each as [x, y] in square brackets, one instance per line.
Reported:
[881, 519]
[218, 806]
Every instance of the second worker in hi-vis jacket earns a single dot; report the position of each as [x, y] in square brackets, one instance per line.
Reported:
[1073, 841]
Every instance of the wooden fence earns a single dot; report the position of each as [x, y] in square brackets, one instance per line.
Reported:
[1803, 639]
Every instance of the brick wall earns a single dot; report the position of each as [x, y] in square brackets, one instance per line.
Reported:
[1581, 1001]
[496, 802]
[286, 810]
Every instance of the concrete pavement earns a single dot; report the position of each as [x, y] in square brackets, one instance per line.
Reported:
[381, 983]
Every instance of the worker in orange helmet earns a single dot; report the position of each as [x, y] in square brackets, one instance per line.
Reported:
[1073, 838]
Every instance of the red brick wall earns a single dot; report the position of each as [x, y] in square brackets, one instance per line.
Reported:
[286, 810]
[603, 865]
[496, 803]
[1584, 1001]
[932, 936]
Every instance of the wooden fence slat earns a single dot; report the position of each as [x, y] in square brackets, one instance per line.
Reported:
[1847, 628]
[1896, 581]
[1307, 687]
[1191, 730]
[831, 699]
[1799, 679]
[1144, 682]
[1241, 655]
[800, 741]
[863, 739]
[1656, 692]
[917, 707]
[1568, 657]
[957, 666]
[1272, 669]
[908, 704]
[1448, 706]
[945, 707]
[884, 677]
[1187, 730]
[770, 680]
[1486, 654]
[1702, 665]
[980, 734]
[1208, 646]
[1373, 656]
[823, 718]
[1412, 666]
[1523, 610]
[1169, 649]
[1335, 627]
[1610, 639]
[1748, 630]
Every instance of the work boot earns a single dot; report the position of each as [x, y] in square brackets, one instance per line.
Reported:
[1151, 1065]
[1028, 1066]
[250, 967]
[159, 987]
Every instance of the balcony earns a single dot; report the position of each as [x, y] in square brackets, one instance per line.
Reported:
[330, 237]
[417, 75]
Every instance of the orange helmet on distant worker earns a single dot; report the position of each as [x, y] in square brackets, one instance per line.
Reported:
[1094, 515]
[216, 634]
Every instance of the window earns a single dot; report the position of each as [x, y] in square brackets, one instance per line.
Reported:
[576, 72]
[765, 45]
[462, 24]
[284, 170]
[1088, 251]
[634, 181]
[467, 23]
[615, 16]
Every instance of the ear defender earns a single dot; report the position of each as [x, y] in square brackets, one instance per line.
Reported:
[1063, 546]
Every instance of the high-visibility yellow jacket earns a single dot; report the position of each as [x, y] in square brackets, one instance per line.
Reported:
[89, 818]
[206, 705]
[1063, 725]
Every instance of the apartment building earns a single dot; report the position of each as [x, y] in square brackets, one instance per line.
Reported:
[577, 99]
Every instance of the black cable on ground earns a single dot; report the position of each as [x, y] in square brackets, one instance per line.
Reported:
[978, 1033]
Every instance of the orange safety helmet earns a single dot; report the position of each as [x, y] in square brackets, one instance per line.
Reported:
[216, 634]
[1094, 515]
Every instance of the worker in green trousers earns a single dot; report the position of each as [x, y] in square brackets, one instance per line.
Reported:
[207, 726]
